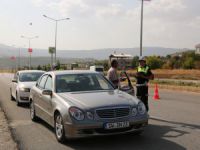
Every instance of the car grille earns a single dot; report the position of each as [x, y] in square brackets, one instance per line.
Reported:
[110, 113]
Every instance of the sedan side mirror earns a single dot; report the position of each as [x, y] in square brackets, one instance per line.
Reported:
[47, 92]
[14, 80]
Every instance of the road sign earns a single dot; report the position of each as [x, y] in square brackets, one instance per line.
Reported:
[30, 50]
[52, 50]
[13, 58]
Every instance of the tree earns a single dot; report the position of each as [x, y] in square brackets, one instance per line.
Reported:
[48, 67]
[189, 63]
[175, 62]
[44, 68]
[103, 63]
[134, 62]
[39, 67]
[197, 64]
[58, 65]
[168, 56]
[155, 62]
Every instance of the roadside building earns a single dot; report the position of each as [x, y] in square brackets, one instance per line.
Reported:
[197, 49]
[124, 60]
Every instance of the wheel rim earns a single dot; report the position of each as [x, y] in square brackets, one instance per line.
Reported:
[32, 111]
[59, 127]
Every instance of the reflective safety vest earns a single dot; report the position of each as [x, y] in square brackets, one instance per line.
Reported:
[143, 69]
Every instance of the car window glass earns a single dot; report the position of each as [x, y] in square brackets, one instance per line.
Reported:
[102, 83]
[30, 76]
[48, 85]
[38, 82]
[42, 82]
[81, 82]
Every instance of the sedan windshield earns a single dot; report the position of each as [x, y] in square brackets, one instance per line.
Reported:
[81, 82]
[30, 77]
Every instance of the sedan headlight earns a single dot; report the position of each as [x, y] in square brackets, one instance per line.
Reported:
[134, 112]
[76, 113]
[141, 108]
[24, 89]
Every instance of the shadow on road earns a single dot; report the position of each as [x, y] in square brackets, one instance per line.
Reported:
[155, 137]
[180, 124]
[152, 139]
[25, 105]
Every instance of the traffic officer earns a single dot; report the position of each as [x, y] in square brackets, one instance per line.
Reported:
[143, 76]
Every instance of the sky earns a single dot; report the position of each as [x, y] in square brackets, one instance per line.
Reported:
[96, 24]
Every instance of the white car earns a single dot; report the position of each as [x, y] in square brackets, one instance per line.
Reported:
[22, 83]
[99, 69]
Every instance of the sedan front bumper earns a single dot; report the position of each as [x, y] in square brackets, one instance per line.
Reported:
[79, 131]
[23, 97]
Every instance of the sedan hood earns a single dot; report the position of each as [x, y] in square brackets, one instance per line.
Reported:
[26, 84]
[98, 99]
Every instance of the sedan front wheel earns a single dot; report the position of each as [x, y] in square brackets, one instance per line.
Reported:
[32, 112]
[11, 97]
[59, 128]
[17, 100]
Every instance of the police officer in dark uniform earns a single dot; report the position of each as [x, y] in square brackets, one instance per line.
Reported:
[143, 76]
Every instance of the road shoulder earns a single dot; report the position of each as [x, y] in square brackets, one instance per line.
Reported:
[6, 140]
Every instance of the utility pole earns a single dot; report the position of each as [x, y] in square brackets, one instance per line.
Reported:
[19, 58]
[29, 49]
[56, 28]
[141, 28]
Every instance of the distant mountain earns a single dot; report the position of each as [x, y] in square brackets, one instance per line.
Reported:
[42, 57]
[7, 63]
[7, 51]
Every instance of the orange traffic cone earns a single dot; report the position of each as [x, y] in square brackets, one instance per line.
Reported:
[156, 95]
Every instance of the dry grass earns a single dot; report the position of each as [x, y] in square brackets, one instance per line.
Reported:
[6, 71]
[178, 88]
[174, 74]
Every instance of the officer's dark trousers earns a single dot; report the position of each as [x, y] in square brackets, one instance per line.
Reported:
[142, 94]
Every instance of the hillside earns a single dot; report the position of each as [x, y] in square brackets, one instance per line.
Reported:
[7, 51]
[7, 63]
[42, 57]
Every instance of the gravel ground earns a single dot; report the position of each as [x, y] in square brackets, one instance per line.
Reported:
[6, 140]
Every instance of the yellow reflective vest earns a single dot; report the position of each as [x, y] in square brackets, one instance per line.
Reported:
[143, 69]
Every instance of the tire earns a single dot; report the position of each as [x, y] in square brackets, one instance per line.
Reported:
[11, 97]
[59, 128]
[32, 112]
[17, 101]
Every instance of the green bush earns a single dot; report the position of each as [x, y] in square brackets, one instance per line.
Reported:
[155, 62]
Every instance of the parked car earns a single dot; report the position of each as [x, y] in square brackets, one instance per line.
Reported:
[84, 103]
[99, 69]
[22, 83]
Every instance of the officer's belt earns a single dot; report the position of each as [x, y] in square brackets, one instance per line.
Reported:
[144, 84]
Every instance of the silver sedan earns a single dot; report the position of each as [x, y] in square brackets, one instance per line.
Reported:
[22, 83]
[84, 103]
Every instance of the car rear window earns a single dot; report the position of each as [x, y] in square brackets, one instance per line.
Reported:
[30, 77]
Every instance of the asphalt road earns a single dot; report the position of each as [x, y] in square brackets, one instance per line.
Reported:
[174, 125]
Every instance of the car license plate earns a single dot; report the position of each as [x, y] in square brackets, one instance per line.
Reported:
[117, 125]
